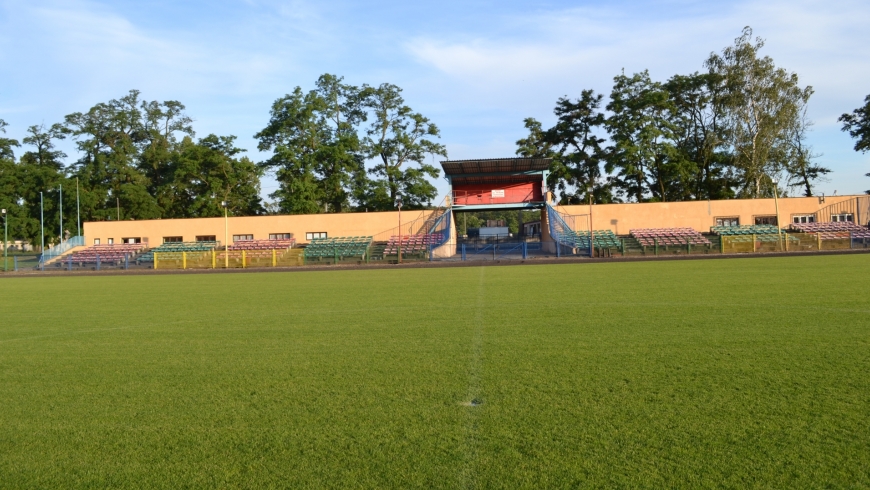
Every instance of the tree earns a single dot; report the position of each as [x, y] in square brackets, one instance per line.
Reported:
[317, 151]
[699, 135]
[761, 102]
[580, 148]
[10, 184]
[396, 137]
[295, 134]
[341, 158]
[641, 129]
[110, 136]
[799, 157]
[41, 170]
[208, 172]
[857, 124]
[6, 144]
[538, 145]
[162, 124]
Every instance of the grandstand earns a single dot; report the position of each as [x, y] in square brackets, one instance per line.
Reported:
[411, 244]
[173, 250]
[106, 254]
[648, 237]
[602, 238]
[833, 231]
[282, 244]
[338, 248]
[745, 230]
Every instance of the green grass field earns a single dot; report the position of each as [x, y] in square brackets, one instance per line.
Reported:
[718, 373]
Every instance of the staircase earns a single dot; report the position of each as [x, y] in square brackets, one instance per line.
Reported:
[60, 249]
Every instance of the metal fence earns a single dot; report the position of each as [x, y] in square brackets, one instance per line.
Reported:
[61, 248]
[500, 247]
[233, 259]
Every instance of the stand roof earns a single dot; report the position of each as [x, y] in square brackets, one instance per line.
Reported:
[496, 166]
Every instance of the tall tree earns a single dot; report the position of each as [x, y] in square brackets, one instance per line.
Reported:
[397, 138]
[210, 171]
[642, 132]
[41, 170]
[10, 185]
[762, 102]
[799, 162]
[580, 148]
[342, 157]
[162, 125]
[6, 144]
[699, 134]
[857, 124]
[537, 145]
[316, 147]
[109, 137]
[295, 134]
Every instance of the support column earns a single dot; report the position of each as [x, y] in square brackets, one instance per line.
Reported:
[547, 244]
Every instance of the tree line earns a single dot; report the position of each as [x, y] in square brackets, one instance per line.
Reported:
[140, 159]
[736, 130]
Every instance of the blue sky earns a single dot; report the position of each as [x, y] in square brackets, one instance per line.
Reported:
[475, 68]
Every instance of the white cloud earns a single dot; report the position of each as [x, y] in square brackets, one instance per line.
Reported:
[477, 78]
[823, 42]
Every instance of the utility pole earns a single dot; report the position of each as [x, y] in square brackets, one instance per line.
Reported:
[42, 229]
[226, 237]
[78, 211]
[399, 204]
[5, 242]
[591, 232]
[776, 206]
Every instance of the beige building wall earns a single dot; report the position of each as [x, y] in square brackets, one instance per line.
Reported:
[335, 225]
[699, 215]
[620, 218]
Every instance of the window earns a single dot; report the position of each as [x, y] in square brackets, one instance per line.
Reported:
[131, 240]
[242, 238]
[96, 241]
[842, 218]
[316, 234]
[110, 241]
[280, 236]
[765, 220]
[205, 238]
[803, 218]
[733, 221]
[172, 239]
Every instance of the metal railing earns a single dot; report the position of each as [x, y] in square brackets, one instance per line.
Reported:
[858, 208]
[61, 248]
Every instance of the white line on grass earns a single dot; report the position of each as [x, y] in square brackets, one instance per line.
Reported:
[474, 396]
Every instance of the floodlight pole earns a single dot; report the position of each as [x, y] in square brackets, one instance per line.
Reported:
[78, 211]
[60, 211]
[42, 229]
[399, 204]
[5, 242]
[591, 233]
[776, 205]
[226, 236]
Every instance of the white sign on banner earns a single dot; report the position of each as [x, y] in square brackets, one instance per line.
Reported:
[498, 193]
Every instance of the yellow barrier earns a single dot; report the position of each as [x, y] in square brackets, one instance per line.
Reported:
[765, 243]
